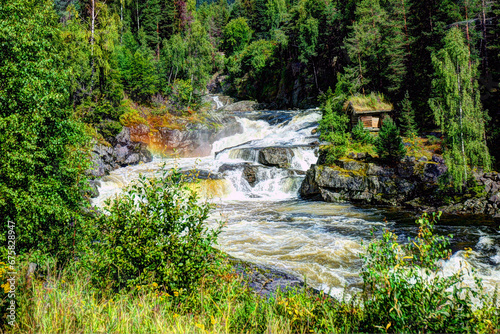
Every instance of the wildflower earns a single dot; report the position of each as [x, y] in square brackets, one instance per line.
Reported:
[176, 315]
[176, 293]
[200, 326]
[155, 285]
[6, 287]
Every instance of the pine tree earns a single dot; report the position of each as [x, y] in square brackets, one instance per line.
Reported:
[151, 18]
[364, 41]
[333, 128]
[378, 46]
[395, 45]
[407, 117]
[457, 108]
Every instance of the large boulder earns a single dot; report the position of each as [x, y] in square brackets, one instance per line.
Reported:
[196, 139]
[241, 106]
[276, 157]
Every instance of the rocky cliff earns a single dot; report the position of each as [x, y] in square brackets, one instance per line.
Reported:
[411, 184]
[193, 140]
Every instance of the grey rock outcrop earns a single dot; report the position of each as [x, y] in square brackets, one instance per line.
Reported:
[124, 152]
[241, 106]
[412, 184]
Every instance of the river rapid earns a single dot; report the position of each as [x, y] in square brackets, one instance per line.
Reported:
[267, 223]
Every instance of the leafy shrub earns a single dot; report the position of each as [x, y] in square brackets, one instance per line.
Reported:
[237, 34]
[360, 134]
[156, 232]
[389, 143]
[433, 140]
[131, 118]
[109, 128]
[405, 290]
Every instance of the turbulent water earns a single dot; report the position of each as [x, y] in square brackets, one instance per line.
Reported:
[267, 223]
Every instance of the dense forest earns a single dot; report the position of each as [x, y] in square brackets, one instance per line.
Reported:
[165, 52]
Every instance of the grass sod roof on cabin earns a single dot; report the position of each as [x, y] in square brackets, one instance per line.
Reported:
[372, 103]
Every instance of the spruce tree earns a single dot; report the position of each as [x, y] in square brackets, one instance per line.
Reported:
[407, 117]
[457, 108]
[364, 41]
[151, 19]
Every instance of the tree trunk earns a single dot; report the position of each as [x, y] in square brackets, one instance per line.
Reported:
[461, 123]
[137, 13]
[484, 42]
[158, 40]
[121, 21]
[92, 30]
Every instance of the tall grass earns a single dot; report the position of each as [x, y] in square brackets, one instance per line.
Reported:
[67, 303]
[374, 101]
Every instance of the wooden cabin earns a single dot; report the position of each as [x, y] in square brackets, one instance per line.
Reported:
[371, 118]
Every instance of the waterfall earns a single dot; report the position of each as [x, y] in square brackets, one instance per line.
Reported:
[259, 173]
[218, 103]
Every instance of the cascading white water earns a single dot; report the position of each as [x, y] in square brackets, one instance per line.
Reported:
[268, 224]
[218, 102]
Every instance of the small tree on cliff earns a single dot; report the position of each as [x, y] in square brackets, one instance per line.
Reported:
[333, 126]
[389, 143]
[407, 117]
[457, 108]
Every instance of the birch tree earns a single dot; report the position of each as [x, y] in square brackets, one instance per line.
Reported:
[457, 108]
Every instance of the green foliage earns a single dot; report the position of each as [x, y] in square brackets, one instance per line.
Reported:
[255, 61]
[406, 290]
[361, 135]
[333, 128]
[155, 231]
[457, 108]
[109, 128]
[389, 143]
[308, 38]
[433, 140]
[142, 76]
[42, 145]
[407, 117]
[237, 35]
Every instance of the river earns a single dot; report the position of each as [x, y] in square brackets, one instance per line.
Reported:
[267, 223]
